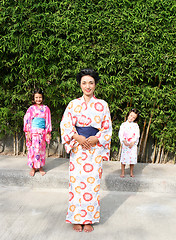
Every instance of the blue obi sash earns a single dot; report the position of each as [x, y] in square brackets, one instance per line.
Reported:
[38, 122]
[87, 131]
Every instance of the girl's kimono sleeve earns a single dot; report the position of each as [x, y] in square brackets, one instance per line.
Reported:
[121, 137]
[27, 124]
[68, 129]
[48, 123]
[27, 121]
[105, 133]
[137, 134]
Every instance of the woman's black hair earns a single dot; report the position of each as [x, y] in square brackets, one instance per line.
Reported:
[85, 72]
[135, 111]
[37, 90]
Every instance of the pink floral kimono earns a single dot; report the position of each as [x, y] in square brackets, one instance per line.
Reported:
[37, 146]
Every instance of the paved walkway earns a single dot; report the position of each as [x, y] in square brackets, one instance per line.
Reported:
[148, 177]
[35, 208]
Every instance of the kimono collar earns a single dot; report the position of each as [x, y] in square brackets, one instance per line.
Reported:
[91, 100]
[129, 122]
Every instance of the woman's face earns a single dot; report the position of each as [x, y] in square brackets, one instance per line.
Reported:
[38, 99]
[87, 85]
[132, 116]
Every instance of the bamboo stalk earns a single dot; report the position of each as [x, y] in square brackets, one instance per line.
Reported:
[17, 144]
[147, 155]
[154, 152]
[24, 145]
[141, 140]
[146, 137]
[47, 151]
[58, 146]
[119, 153]
[162, 155]
[150, 120]
[165, 158]
[14, 144]
[159, 155]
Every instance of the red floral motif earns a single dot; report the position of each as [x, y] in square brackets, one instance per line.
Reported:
[83, 213]
[67, 221]
[107, 145]
[72, 167]
[105, 124]
[88, 122]
[82, 119]
[84, 106]
[105, 158]
[66, 138]
[84, 156]
[83, 185]
[87, 197]
[88, 167]
[98, 135]
[87, 222]
[75, 119]
[99, 145]
[71, 196]
[99, 107]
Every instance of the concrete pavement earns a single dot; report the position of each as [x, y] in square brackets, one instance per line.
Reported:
[131, 209]
[148, 177]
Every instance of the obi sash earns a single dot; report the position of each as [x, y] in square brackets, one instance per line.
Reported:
[87, 131]
[38, 122]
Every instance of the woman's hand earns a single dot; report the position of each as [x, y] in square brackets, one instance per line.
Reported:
[82, 141]
[92, 140]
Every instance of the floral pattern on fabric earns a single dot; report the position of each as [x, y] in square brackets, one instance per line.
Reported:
[86, 165]
[37, 146]
[130, 132]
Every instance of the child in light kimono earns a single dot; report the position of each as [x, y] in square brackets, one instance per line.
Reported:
[37, 128]
[129, 137]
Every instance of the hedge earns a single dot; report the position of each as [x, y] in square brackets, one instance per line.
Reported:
[130, 43]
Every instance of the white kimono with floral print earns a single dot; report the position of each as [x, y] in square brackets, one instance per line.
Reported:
[86, 165]
[130, 132]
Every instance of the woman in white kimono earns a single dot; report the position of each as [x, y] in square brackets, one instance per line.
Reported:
[129, 137]
[86, 131]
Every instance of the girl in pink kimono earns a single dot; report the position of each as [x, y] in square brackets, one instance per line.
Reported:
[37, 128]
[129, 137]
[86, 132]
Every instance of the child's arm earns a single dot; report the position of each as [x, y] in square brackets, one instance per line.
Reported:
[121, 137]
[135, 140]
[131, 144]
[126, 143]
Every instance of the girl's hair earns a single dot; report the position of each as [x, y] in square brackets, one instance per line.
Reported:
[85, 72]
[37, 90]
[135, 111]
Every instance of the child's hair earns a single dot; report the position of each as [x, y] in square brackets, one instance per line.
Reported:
[37, 90]
[135, 111]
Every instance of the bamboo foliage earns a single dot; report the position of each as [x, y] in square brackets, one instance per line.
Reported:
[130, 43]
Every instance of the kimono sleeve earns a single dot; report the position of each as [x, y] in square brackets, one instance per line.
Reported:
[137, 134]
[27, 121]
[121, 137]
[48, 121]
[68, 129]
[105, 133]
